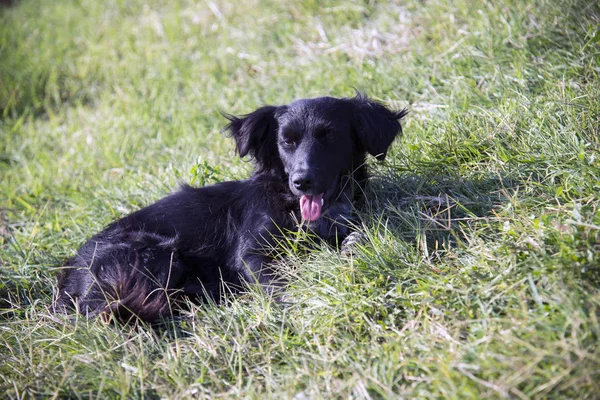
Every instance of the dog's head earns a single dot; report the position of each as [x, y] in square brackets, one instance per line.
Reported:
[314, 143]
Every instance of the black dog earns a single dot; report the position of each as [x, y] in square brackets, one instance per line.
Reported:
[310, 165]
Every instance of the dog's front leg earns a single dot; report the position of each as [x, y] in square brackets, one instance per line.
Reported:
[255, 259]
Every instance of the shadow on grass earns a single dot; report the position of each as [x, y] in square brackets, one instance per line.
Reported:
[436, 209]
[7, 3]
[431, 216]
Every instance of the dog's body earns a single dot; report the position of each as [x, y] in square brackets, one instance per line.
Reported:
[310, 159]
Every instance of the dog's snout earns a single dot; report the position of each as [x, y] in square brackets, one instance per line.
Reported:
[302, 181]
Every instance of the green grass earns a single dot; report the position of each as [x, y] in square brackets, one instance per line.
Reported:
[480, 273]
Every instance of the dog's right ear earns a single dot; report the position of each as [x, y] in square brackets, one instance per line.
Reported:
[256, 134]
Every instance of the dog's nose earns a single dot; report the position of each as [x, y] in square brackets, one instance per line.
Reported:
[302, 182]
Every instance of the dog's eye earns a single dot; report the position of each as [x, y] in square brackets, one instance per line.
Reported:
[288, 142]
[321, 133]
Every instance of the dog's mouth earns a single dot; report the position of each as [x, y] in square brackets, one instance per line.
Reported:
[311, 206]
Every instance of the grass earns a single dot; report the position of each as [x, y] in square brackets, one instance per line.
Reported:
[480, 273]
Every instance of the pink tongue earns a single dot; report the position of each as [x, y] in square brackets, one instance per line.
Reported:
[310, 206]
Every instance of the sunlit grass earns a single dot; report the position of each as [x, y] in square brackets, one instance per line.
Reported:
[478, 272]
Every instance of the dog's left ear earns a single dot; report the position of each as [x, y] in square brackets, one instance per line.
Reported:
[256, 134]
[376, 125]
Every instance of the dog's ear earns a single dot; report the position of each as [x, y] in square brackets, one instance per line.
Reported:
[256, 134]
[376, 125]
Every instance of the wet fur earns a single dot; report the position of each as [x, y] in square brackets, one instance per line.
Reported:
[199, 243]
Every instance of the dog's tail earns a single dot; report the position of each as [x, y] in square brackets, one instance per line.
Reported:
[129, 280]
[134, 298]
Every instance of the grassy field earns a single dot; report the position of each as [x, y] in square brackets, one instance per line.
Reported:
[480, 273]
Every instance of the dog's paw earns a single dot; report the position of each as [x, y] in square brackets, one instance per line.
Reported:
[351, 241]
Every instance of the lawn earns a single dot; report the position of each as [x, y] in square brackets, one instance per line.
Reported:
[479, 272]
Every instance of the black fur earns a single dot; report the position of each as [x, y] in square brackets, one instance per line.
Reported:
[197, 241]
